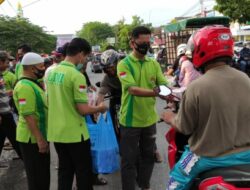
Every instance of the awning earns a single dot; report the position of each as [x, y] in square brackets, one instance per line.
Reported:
[196, 23]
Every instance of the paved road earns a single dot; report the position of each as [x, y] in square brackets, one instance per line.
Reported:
[14, 177]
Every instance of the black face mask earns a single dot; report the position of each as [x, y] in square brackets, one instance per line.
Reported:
[20, 58]
[142, 48]
[39, 73]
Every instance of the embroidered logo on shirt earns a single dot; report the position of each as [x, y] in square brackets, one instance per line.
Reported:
[22, 101]
[82, 88]
[123, 74]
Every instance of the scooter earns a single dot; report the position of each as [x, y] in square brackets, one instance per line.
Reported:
[228, 178]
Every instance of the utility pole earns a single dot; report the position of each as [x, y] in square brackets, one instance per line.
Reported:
[203, 11]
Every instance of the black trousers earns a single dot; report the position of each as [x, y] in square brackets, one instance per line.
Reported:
[137, 151]
[37, 167]
[8, 129]
[74, 158]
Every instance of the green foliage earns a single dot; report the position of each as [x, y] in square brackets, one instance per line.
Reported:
[123, 31]
[96, 32]
[16, 31]
[237, 10]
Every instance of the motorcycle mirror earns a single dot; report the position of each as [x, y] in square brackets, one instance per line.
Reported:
[164, 90]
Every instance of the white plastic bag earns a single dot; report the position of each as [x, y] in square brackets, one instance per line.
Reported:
[92, 98]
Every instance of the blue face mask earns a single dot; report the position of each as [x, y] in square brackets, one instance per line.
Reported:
[79, 66]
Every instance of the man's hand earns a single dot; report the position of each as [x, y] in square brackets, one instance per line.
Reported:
[168, 117]
[103, 108]
[43, 146]
[92, 88]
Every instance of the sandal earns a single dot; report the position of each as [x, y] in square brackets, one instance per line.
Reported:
[100, 181]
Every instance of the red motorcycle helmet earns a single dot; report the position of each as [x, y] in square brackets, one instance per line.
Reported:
[209, 43]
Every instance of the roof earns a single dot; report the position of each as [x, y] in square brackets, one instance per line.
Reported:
[196, 23]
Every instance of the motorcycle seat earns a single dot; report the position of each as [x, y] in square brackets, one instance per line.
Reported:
[233, 173]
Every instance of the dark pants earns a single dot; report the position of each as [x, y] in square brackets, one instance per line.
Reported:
[37, 166]
[74, 158]
[8, 129]
[137, 152]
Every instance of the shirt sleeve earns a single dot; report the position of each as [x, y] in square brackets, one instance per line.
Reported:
[187, 118]
[161, 79]
[125, 75]
[79, 88]
[25, 100]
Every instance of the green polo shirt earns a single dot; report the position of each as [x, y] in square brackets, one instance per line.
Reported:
[139, 111]
[19, 70]
[30, 99]
[9, 79]
[65, 88]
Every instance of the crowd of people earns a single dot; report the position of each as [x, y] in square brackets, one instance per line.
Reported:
[49, 96]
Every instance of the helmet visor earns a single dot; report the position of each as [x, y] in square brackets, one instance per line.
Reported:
[190, 47]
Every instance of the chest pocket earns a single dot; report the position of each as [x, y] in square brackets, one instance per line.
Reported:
[146, 73]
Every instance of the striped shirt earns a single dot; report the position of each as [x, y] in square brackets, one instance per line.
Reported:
[4, 98]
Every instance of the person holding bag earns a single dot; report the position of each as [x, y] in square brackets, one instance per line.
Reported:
[67, 101]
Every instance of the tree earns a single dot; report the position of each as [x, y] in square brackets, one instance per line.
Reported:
[96, 32]
[16, 31]
[237, 10]
[123, 31]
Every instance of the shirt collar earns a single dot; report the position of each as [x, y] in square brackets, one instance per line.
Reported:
[135, 59]
[67, 63]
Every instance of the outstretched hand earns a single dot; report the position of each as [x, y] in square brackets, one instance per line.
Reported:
[168, 117]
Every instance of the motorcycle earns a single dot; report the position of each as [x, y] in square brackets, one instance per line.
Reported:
[226, 178]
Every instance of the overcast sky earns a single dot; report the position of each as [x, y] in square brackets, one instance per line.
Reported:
[68, 16]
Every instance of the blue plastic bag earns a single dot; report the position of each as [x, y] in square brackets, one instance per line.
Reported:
[104, 146]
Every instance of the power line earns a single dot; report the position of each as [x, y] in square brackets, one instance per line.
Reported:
[11, 6]
[31, 3]
[190, 9]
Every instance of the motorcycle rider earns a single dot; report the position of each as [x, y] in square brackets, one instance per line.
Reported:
[244, 57]
[110, 84]
[187, 71]
[214, 110]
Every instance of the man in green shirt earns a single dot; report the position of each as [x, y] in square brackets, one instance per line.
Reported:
[31, 134]
[139, 75]
[10, 80]
[67, 99]
[21, 51]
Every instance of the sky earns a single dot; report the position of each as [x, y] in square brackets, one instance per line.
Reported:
[68, 16]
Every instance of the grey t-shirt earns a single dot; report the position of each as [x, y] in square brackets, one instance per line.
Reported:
[111, 85]
[215, 110]
[4, 98]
